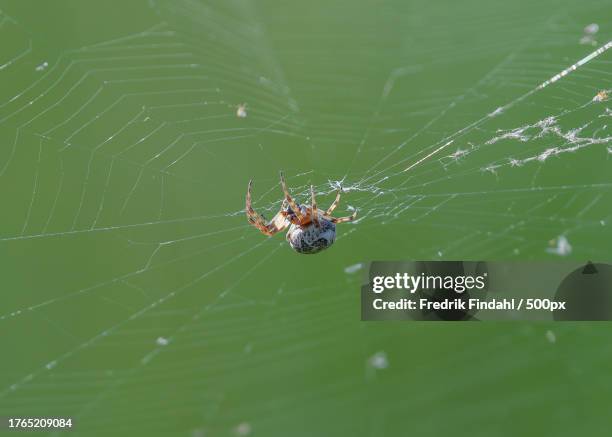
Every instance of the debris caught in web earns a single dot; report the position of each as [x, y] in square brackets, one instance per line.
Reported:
[560, 246]
[241, 111]
[353, 268]
[378, 361]
[589, 32]
[243, 429]
[601, 96]
[162, 341]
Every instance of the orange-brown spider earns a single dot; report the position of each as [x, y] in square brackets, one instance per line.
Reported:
[310, 230]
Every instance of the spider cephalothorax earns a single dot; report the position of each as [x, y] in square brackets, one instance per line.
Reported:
[310, 230]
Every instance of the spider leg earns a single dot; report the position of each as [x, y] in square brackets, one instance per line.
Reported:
[315, 213]
[291, 217]
[296, 210]
[337, 220]
[277, 224]
[333, 205]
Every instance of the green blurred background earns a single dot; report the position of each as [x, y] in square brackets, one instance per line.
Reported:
[136, 298]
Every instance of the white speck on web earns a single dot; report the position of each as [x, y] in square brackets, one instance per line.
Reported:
[243, 429]
[551, 337]
[591, 29]
[42, 66]
[490, 169]
[588, 40]
[562, 247]
[497, 112]
[378, 361]
[588, 37]
[162, 341]
[241, 112]
[51, 365]
[198, 433]
[353, 268]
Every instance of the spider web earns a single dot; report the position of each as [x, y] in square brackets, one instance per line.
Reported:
[136, 295]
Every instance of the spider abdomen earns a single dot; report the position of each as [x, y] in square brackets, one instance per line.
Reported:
[312, 238]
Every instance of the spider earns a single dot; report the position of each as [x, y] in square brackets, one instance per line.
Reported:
[310, 230]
